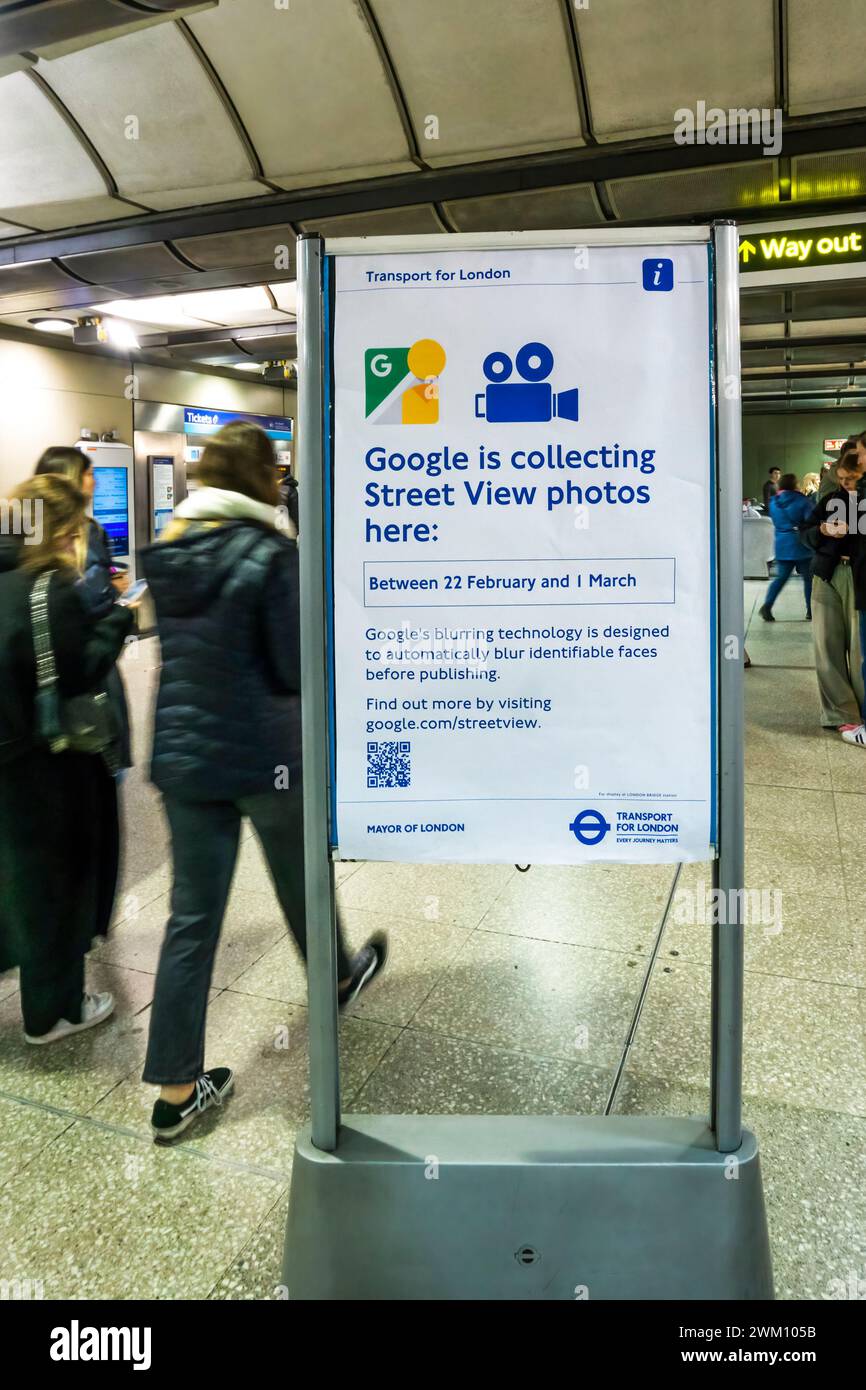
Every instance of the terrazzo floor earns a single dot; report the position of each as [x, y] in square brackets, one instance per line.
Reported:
[505, 992]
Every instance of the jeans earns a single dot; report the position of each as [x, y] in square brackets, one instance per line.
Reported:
[204, 844]
[784, 570]
[862, 618]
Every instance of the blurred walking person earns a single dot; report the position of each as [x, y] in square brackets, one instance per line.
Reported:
[227, 744]
[788, 510]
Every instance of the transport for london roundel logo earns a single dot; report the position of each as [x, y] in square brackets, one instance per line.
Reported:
[401, 385]
[589, 827]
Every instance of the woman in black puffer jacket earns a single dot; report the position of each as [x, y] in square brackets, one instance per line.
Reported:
[227, 744]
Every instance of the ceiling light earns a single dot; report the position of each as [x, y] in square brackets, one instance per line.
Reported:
[52, 325]
[159, 311]
[248, 366]
[229, 306]
[120, 334]
[285, 292]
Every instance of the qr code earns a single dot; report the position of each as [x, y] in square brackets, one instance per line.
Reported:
[389, 764]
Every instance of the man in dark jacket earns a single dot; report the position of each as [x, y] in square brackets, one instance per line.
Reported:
[831, 534]
[771, 487]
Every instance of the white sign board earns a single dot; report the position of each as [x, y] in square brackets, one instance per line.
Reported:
[522, 512]
[162, 494]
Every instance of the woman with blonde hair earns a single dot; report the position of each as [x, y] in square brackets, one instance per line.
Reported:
[227, 744]
[58, 802]
[99, 585]
[811, 483]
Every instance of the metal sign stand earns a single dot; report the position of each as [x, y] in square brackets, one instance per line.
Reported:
[540, 1206]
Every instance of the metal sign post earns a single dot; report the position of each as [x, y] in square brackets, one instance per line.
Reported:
[321, 910]
[524, 1207]
[729, 867]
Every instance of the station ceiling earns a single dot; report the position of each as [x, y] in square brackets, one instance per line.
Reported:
[181, 154]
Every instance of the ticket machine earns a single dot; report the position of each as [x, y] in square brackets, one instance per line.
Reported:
[114, 497]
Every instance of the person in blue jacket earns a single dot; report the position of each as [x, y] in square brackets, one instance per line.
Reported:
[789, 508]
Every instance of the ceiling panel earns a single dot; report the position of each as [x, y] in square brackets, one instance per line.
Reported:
[281, 345]
[536, 210]
[32, 276]
[495, 84]
[761, 306]
[156, 313]
[837, 300]
[286, 295]
[225, 359]
[762, 330]
[748, 186]
[814, 34]
[125, 263]
[766, 358]
[850, 352]
[219, 350]
[67, 303]
[835, 174]
[74, 212]
[10, 229]
[183, 139]
[271, 246]
[237, 306]
[310, 87]
[42, 161]
[165, 200]
[822, 383]
[387, 222]
[644, 61]
[826, 327]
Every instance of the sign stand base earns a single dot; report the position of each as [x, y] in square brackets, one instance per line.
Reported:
[546, 1207]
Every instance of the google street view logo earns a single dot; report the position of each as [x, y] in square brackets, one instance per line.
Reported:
[589, 827]
[401, 385]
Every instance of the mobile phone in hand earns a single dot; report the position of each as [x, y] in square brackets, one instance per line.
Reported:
[134, 593]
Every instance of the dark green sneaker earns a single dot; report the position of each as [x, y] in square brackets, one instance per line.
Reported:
[211, 1088]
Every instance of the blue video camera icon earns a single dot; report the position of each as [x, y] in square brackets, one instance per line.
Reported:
[526, 401]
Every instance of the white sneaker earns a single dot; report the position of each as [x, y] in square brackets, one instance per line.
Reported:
[94, 1009]
[856, 735]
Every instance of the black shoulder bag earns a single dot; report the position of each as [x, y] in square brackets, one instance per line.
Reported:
[80, 723]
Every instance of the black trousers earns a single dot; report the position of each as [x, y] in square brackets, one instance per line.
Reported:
[50, 990]
[204, 843]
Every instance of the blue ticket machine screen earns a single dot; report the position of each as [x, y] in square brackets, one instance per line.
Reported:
[111, 505]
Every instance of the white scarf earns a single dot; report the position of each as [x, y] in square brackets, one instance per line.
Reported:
[212, 503]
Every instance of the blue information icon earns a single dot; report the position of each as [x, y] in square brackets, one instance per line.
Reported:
[658, 274]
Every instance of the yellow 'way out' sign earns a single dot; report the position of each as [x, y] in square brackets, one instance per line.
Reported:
[804, 246]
